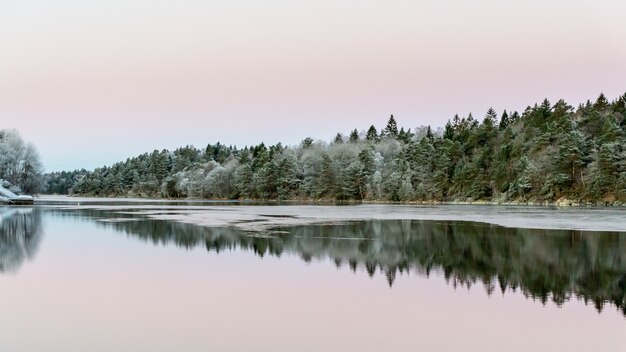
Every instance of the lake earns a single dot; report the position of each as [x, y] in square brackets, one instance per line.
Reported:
[108, 275]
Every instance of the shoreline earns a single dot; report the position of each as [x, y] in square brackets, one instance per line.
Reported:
[561, 203]
[258, 216]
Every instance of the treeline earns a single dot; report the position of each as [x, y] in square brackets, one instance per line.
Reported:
[546, 153]
[62, 182]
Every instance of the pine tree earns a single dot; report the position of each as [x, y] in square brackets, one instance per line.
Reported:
[611, 131]
[326, 186]
[243, 182]
[429, 135]
[502, 162]
[601, 103]
[307, 142]
[366, 158]
[448, 131]
[372, 134]
[619, 106]
[352, 182]
[405, 136]
[354, 136]
[260, 156]
[504, 121]
[605, 171]
[392, 128]
[490, 118]
[287, 181]
[572, 153]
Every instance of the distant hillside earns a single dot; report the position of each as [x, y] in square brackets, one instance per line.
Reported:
[546, 153]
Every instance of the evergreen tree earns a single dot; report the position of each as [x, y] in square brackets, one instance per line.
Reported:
[619, 107]
[391, 129]
[326, 184]
[429, 135]
[372, 134]
[611, 131]
[244, 182]
[354, 136]
[546, 153]
[504, 121]
[448, 132]
[352, 182]
[287, 175]
[307, 142]
[601, 103]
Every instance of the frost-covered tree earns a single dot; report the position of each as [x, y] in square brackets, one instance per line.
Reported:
[545, 153]
[20, 165]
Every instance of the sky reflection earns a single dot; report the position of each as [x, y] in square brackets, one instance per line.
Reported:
[92, 288]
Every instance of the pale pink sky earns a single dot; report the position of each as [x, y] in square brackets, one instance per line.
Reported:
[91, 83]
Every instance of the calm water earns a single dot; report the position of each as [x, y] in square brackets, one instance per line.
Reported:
[107, 278]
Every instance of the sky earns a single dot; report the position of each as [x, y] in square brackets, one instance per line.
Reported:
[91, 83]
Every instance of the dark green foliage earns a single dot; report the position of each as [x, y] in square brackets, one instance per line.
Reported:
[392, 128]
[307, 142]
[372, 134]
[601, 103]
[62, 182]
[326, 186]
[504, 120]
[405, 136]
[546, 153]
[448, 132]
[354, 136]
[352, 182]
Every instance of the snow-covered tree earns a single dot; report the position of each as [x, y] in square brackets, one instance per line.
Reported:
[20, 164]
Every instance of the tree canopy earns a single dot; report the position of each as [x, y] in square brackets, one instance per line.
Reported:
[545, 153]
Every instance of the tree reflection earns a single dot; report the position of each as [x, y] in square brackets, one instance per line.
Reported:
[20, 234]
[545, 265]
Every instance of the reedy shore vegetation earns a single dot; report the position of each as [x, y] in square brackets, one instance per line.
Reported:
[547, 153]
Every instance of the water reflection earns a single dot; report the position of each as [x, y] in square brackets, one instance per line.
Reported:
[20, 234]
[545, 265]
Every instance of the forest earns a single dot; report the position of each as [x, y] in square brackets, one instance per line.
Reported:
[547, 153]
